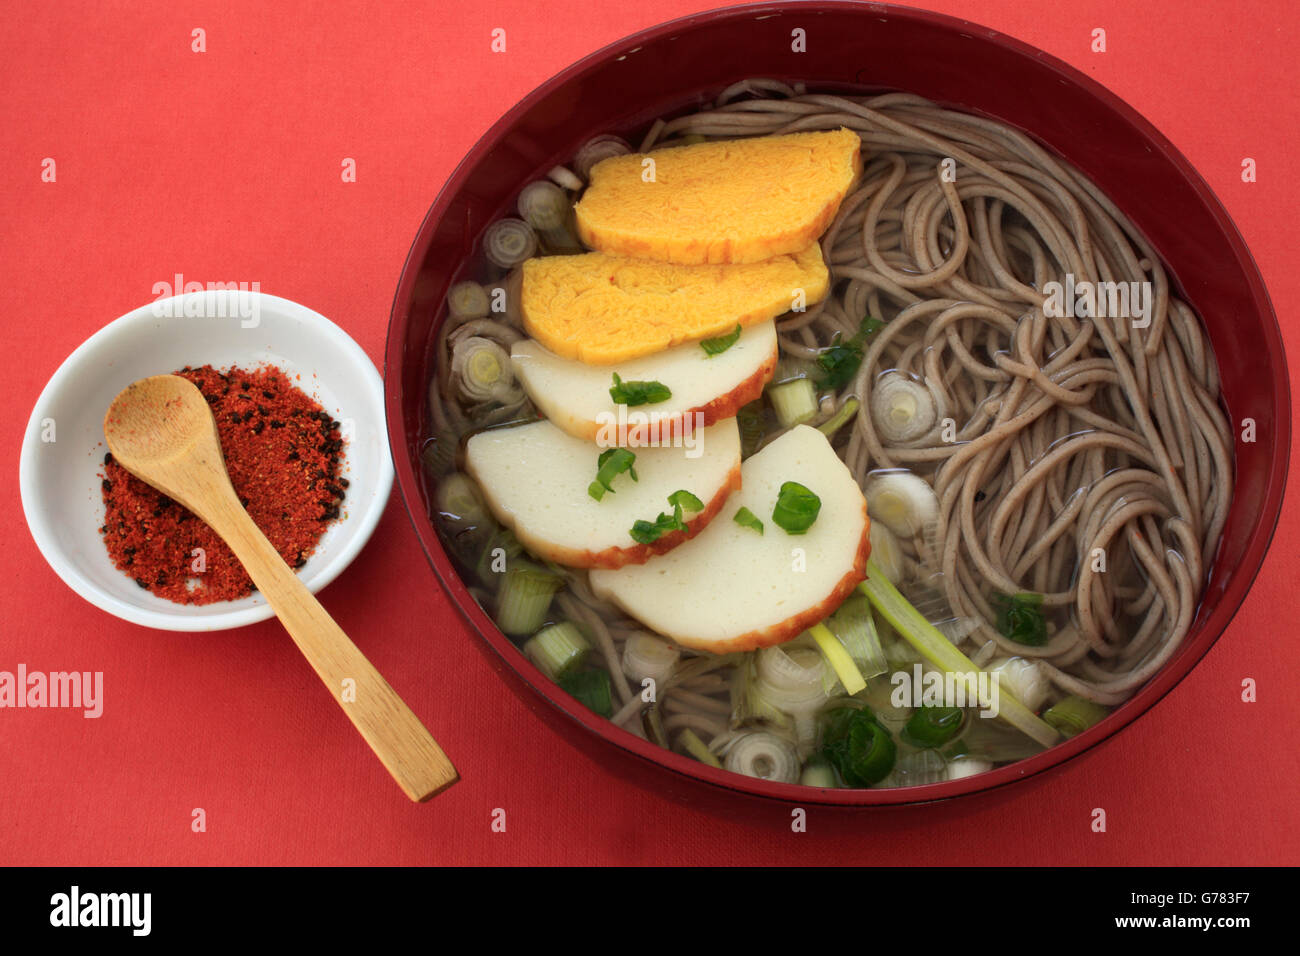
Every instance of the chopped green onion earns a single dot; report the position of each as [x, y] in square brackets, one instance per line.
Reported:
[647, 532]
[557, 649]
[847, 410]
[693, 745]
[966, 767]
[439, 454]
[502, 540]
[526, 597]
[840, 360]
[720, 344]
[838, 658]
[994, 741]
[839, 363]
[858, 747]
[592, 690]
[686, 500]
[855, 628]
[796, 508]
[609, 465]
[508, 242]
[467, 300]
[918, 768]
[1025, 678]
[930, 642]
[638, 393]
[459, 500]
[818, 773]
[902, 409]
[483, 372]
[903, 502]
[652, 722]
[1020, 617]
[596, 149]
[933, 726]
[764, 755]
[748, 705]
[646, 656]
[463, 516]
[750, 421]
[794, 401]
[747, 519]
[543, 205]
[1074, 715]
[886, 550]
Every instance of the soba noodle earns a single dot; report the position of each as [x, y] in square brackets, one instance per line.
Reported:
[1072, 435]
[1083, 458]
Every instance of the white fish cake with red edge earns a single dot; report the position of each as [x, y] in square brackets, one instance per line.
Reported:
[535, 479]
[705, 388]
[731, 588]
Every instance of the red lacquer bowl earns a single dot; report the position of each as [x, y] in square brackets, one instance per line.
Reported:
[678, 66]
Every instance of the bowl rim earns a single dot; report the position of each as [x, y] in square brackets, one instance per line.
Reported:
[167, 620]
[1197, 644]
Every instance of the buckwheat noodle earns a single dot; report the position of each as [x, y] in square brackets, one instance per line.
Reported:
[1083, 458]
[1092, 462]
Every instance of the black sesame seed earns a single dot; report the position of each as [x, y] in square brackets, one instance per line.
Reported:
[108, 458]
[276, 423]
[293, 456]
[140, 581]
[257, 429]
[107, 485]
[344, 482]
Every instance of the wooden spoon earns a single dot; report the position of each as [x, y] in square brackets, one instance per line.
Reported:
[161, 430]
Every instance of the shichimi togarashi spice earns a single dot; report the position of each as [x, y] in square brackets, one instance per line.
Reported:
[282, 452]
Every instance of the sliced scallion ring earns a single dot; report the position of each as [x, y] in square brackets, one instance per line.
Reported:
[796, 508]
[509, 242]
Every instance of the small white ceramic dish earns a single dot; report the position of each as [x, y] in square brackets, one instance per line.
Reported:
[63, 450]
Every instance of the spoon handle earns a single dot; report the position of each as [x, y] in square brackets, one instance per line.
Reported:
[391, 729]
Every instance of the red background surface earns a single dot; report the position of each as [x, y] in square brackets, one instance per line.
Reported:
[225, 165]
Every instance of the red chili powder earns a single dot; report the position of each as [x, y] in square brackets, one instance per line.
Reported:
[282, 452]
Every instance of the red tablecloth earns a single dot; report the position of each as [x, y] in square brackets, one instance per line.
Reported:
[226, 164]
